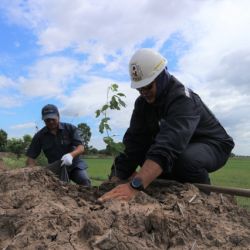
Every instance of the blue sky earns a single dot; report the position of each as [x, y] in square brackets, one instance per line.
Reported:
[68, 52]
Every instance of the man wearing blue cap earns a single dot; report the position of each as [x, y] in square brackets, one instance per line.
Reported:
[59, 141]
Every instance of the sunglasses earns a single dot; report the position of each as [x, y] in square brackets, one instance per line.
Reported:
[146, 88]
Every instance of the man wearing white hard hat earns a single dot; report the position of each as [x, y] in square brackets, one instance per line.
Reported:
[172, 133]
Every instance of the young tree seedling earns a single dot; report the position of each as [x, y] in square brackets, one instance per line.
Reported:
[113, 102]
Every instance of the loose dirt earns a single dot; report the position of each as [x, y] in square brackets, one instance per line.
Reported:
[37, 211]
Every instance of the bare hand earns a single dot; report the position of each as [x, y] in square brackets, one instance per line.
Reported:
[121, 192]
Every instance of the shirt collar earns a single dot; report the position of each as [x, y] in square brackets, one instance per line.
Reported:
[60, 127]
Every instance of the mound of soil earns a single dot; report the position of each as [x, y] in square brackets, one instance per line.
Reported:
[37, 211]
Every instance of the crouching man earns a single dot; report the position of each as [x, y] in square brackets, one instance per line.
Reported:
[59, 141]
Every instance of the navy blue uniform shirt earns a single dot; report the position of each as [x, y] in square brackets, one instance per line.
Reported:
[55, 146]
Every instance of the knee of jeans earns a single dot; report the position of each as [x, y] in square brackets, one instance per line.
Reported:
[81, 178]
[83, 182]
[86, 183]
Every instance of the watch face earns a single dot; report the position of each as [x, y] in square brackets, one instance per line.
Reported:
[136, 183]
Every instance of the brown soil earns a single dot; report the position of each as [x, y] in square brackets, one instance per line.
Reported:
[37, 211]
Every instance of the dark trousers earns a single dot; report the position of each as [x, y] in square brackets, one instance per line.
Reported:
[76, 174]
[194, 164]
[80, 177]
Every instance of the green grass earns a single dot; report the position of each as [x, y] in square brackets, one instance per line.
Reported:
[99, 168]
[14, 162]
[236, 173]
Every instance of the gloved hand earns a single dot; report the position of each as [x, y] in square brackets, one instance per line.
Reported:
[67, 160]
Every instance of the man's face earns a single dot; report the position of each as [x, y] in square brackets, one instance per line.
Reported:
[148, 92]
[52, 124]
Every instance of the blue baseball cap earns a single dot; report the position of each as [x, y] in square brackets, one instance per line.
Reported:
[50, 111]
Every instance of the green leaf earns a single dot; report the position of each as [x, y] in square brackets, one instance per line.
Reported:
[105, 120]
[107, 127]
[97, 113]
[119, 147]
[121, 94]
[113, 103]
[105, 107]
[121, 102]
[114, 87]
[108, 140]
[101, 127]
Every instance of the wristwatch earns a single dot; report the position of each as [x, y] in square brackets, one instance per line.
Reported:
[136, 183]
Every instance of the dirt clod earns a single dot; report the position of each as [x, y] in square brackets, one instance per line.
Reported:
[37, 211]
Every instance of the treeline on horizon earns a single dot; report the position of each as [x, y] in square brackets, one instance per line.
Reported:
[19, 146]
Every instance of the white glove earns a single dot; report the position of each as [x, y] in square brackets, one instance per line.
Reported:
[67, 160]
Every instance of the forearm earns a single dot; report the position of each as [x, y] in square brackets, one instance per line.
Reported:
[77, 151]
[30, 162]
[125, 164]
[149, 172]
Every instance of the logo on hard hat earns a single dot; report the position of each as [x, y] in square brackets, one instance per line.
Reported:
[136, 72]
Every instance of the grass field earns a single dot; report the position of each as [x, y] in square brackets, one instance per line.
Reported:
[236, 173]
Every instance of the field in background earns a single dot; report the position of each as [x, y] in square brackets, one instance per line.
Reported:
[236, 173]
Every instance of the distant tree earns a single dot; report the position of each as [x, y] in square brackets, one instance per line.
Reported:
[104, 151]
[92, 150]
[111, 151]
[232, 155]
[26, 141]
[16, 146]
[85, 134]
[3, 140]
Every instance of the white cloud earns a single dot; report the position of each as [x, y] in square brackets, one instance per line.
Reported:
[6, 82]
[89, 97]
[219, 43]
[9, 101]
[217, 61]
[48, 77]
[8, 97]
[101, 29]
[241, 137]
[23, 126]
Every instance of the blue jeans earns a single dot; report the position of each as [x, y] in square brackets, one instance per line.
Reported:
[80, 177]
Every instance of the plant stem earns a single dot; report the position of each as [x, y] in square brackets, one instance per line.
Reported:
[105, 112]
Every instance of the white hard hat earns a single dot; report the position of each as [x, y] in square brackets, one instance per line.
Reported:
[144, 66]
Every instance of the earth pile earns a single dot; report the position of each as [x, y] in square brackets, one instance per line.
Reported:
[37, 211]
